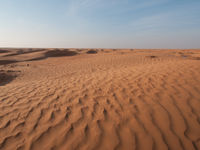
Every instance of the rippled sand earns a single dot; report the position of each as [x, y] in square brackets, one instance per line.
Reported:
[101, 99]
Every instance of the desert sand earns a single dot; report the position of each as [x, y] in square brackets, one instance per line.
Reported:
[100, 99]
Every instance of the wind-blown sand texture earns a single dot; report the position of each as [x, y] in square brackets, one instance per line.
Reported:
[109, 100]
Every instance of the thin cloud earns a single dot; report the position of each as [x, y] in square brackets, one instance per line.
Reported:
[75, 6]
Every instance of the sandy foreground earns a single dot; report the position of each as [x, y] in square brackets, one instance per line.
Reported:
[110, 100]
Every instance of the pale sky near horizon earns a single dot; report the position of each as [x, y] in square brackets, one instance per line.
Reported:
[100, 23]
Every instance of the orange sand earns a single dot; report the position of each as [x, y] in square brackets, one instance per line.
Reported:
[110, 100]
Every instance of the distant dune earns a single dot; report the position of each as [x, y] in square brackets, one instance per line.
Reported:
[99, 99]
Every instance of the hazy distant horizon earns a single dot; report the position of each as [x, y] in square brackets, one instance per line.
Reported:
[133, 24]
[98, 48]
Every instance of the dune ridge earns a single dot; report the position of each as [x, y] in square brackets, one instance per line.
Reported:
[121, 99]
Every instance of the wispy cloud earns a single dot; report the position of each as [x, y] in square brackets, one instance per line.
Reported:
[75, 6]
[178, 17]
[89, 12]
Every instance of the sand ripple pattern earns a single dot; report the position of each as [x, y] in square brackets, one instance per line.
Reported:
[109, 101]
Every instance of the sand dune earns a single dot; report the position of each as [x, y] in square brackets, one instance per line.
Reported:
[110, 100]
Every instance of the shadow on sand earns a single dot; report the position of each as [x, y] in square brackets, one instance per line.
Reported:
[91, 51]
[6, 78]
[21, 52]
[4, 51]
[5, 62]
[55, 53]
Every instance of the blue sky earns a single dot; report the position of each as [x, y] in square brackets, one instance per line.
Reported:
[100, 23]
